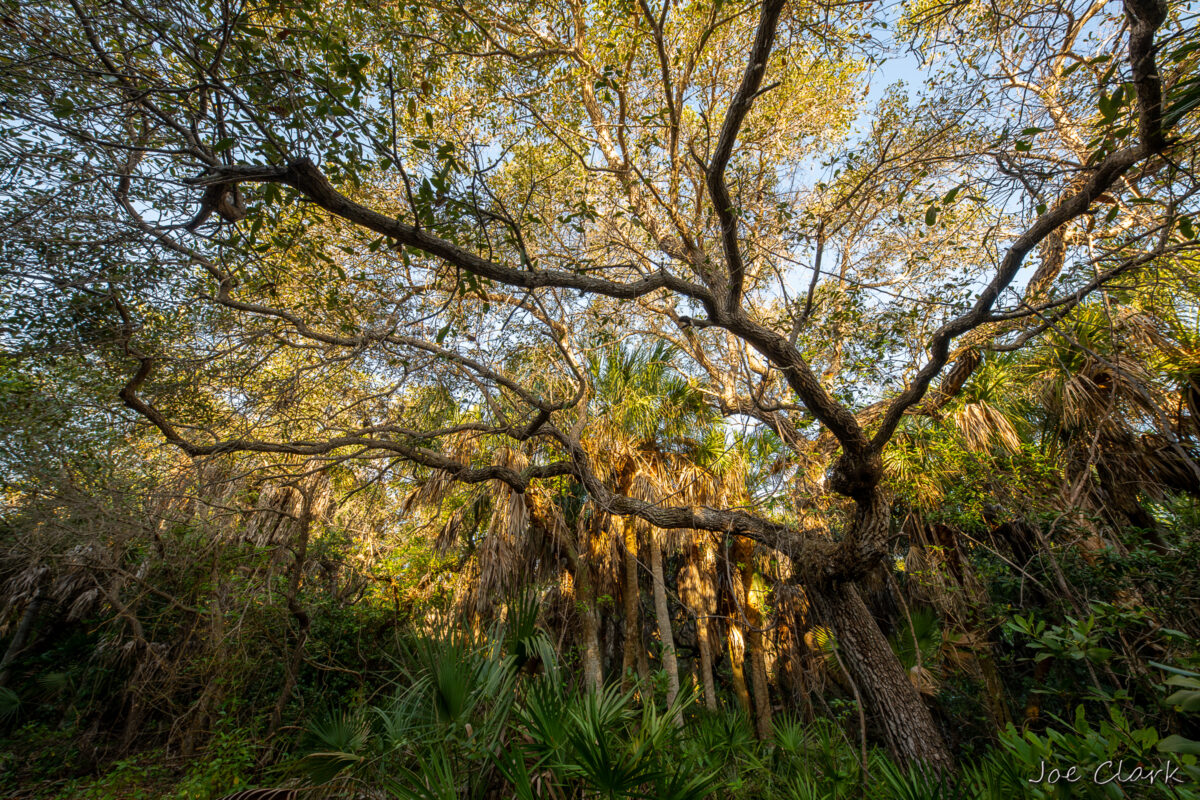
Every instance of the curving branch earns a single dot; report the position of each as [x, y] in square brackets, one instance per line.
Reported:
[739, 107]
[1145, 17]
[304, 176]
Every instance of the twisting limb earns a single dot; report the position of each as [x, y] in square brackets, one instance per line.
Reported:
[764, 39]
[1145, 18]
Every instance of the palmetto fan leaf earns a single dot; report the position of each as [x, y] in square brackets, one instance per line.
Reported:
[641, 398]
[990, 414]
[341, 737]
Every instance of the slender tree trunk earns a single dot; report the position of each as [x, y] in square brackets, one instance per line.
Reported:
[635, 646]
[593, 677]
[908, 728]
[704, 643]
[737, 661]
[758, 673]
[643, 659]
[578, 551]
[585, 593]
[670, 663]
[633, 620]
[700, 585]
[750, 605]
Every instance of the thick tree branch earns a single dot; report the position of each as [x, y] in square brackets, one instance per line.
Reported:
[304, 176]
[1145, 17]
[764, 39]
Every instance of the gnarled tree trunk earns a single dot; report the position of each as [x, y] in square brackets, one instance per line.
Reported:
[907, 726]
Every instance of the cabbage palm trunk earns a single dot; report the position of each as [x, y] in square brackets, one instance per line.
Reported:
[749, 608]
[663, 615]
[701, 597]
[630, 596]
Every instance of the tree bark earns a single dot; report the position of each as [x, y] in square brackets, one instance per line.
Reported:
[758, 670]
[907, 726]
[702, 600]
[737, 662]
[593, 676]
[579, 553]
[749, 606]
[670, 663]
[630, 597]
[704, 642]
[585, 593]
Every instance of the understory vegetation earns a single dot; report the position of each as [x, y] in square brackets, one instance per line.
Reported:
[189, 639]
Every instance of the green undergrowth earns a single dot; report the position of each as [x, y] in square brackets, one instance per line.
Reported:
[496, 716]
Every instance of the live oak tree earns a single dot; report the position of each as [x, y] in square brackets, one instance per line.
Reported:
[376, 231]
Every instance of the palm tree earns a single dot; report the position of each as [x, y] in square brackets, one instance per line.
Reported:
[652, 434]
[1105, 412]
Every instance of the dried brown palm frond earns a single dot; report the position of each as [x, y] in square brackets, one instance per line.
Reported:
[1130, 464]
[24, 583]
[447, 536]
[1078, 400]
[1170, 465]
[502, 551]
[1144, 329]
[1189, 392]
[982, 424]
[651, 488]
[76, 587]
[431, 492]
[268, 523]
[1097, 390]
[22, 592]
[923, 680]
[1175, 352]
[547, 516]
[279, 508]
[961, 647]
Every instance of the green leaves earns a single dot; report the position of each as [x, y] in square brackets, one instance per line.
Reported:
[342, 737]
[1187, 228]
[1179, 744]
[1111, 105]
[1077, 639]
[1188, 697]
